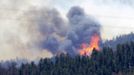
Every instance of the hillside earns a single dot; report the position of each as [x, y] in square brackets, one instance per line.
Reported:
[119, 40]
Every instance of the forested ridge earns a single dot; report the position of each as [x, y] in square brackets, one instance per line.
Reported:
[104, 62]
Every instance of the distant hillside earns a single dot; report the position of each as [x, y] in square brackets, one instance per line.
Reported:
[119, 40]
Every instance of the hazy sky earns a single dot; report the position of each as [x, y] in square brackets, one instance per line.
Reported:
[115, 16]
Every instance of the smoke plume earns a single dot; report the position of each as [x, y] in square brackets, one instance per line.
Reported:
[59, 35]
[81, 28]
[43, 32]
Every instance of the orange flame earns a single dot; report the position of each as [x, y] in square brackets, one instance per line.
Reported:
[94, 44]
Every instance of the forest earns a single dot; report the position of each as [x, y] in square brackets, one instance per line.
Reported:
[104, 62]
[67, 37]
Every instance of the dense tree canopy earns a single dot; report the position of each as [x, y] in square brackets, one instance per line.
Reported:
[104, 62]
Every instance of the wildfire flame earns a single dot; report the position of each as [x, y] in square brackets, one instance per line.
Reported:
[88, 48]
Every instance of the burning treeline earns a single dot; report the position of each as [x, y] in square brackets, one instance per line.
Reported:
[59, 35]
[88, 48]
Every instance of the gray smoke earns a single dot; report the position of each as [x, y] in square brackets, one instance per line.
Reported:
[29, 30]
[82, 27]
[47, 27]
[60, 35]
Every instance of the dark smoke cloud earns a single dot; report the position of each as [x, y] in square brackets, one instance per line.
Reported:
[82, 27]
[51, 22]
[60, 35]
[47, 26]
[52, 27]
[51, 43]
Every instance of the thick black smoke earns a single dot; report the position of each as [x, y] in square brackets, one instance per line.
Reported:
[60, 35]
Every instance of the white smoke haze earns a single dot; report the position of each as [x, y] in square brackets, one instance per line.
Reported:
[21, 23]
[16, 39]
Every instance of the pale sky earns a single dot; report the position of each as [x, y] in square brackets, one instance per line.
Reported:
[115, 16]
